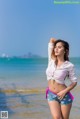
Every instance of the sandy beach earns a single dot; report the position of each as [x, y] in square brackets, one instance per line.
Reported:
[30, 103]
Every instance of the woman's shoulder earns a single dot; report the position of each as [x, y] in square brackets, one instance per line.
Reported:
[52, 60]
[69, 64]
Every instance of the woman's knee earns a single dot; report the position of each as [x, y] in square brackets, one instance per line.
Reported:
[57, 117]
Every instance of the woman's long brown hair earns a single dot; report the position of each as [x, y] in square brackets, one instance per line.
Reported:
[66, 47]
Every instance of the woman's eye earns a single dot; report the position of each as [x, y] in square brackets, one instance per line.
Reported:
[59, 47]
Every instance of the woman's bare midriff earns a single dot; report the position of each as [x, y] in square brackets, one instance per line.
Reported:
[56, 87]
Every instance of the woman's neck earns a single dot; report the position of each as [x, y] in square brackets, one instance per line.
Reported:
[60, 60]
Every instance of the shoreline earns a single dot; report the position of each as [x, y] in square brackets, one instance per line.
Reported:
[31, 103]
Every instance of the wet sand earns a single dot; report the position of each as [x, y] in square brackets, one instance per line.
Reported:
[30, 103]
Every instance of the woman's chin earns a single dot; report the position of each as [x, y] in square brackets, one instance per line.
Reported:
[56, 54]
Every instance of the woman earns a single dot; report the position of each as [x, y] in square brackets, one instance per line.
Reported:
[59, 67]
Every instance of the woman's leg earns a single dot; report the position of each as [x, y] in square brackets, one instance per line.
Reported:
[55, 109]
[65, 109]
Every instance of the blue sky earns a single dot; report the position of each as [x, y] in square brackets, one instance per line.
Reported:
[27, 25]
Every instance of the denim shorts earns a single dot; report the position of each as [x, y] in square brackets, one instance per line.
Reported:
[66, 100]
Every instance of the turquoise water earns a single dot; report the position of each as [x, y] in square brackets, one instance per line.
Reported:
[28, 70]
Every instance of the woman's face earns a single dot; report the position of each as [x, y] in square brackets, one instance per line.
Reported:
[59, 49]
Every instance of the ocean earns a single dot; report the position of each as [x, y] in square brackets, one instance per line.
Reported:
[22, 71]
[22, 87]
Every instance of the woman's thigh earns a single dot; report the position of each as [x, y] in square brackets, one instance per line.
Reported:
[55, 109]
[65, 109]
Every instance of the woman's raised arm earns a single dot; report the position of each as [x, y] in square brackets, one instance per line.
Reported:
[50, 47]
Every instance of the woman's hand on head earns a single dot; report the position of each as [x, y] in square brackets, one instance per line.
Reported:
[52, 40]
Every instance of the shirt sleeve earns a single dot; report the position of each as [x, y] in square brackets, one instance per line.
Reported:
[72, 76]
[50, 49]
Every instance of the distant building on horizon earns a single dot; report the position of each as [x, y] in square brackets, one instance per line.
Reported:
[28, 55]
[4, 55]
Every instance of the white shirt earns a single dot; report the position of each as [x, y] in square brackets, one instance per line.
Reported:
[59, 73]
